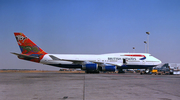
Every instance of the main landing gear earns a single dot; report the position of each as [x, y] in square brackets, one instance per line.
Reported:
[120, 71]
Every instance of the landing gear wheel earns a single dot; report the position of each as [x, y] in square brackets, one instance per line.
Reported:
[120, 71]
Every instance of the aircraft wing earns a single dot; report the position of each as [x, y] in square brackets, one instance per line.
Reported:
[81, 61]
[24, 56]
[56, 58]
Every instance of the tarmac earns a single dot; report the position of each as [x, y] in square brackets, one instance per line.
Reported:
[68, 86]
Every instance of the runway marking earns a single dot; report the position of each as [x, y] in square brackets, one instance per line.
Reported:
[156, 79]
[84, 87]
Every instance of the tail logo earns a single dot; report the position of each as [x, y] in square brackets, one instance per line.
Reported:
[34, 49]
[20, 38]
[144, 57]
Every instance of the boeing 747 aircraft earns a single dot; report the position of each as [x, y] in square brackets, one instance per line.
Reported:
[90, 63]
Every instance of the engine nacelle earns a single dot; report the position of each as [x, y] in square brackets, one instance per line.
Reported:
[109, 68]
[91, 66]
[123, 67]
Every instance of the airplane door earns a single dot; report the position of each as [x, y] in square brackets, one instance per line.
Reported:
[124, 61]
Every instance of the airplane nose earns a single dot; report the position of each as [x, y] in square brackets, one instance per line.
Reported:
[159, 61]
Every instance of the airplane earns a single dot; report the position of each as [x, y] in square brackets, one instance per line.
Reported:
[90, 63]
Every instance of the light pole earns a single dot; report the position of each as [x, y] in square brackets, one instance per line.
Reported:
[148, 33]
[145, 45]
[134, 49]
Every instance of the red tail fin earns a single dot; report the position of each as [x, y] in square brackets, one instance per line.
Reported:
[29, 48]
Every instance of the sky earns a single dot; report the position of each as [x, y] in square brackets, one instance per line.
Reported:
[90, 27]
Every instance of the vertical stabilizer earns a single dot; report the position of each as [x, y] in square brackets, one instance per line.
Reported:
[29, 48]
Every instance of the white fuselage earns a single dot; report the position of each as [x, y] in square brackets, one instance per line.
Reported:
[112, 58]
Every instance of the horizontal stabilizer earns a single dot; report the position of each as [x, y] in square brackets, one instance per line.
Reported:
[24, 56]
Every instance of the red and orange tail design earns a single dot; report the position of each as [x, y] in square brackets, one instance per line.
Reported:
[29, 48]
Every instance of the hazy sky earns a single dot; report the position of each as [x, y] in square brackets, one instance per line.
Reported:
[90, 27]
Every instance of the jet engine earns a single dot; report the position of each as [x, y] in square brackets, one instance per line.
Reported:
[109, 68]
[91, 66]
